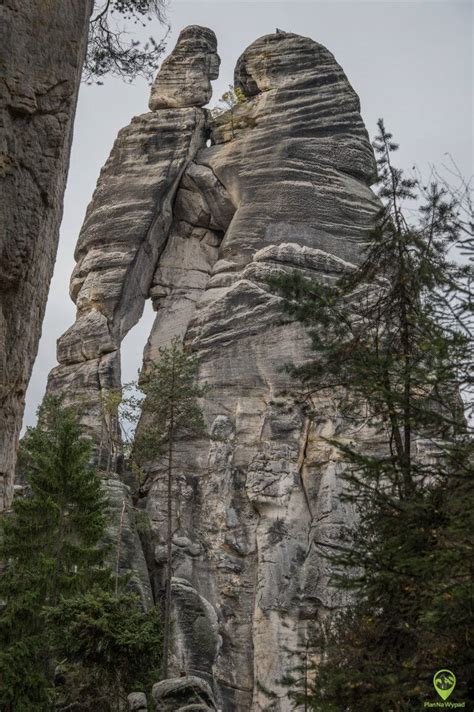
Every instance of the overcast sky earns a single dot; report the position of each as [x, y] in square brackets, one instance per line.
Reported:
[410, 61]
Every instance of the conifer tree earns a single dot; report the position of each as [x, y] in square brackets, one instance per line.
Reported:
[49, 549]
[60, 601]
[108, 647]
[392, 342]
[109, 48]
[169, 411]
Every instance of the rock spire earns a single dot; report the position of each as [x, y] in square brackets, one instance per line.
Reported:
[184, 79]
[198, 228]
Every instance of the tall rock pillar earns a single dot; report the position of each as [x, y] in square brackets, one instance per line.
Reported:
[284, 187]
[199, 226]
[125, 231]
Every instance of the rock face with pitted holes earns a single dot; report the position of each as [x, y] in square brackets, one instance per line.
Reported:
[198, 228]
[42, 48]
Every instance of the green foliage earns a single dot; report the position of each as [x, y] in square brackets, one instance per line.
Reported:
[111, 440]
[165, 402]
[392, 342]
[49, 548]
[109, 644]
[412, 612]
[110, 52]
[57, 588]
[227, 106]
[24, 687]
[229, 100]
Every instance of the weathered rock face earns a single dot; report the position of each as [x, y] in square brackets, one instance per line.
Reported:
[125, 231]
[264, 487]
[42, 47]
[185, 76]
[283, 187]
[137, 702]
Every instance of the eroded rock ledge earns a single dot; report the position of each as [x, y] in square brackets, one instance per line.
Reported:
[283, 186]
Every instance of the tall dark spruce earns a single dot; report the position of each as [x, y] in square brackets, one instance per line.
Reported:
[49, 550]
[392, 343]
[70, 637]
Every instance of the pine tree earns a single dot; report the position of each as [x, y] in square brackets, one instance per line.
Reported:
[109, 48]
[49, 549]
[169, 411]
[392, 342]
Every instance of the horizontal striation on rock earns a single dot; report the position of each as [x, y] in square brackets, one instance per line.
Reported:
[126, 228]
[131, 210]
[296, 163]
[283, 187]
[128, 219]
[185, 76]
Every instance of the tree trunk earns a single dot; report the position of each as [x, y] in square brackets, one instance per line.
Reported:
[169, 567]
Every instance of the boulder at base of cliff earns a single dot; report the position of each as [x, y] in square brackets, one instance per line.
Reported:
[183, 694]
[137, 702]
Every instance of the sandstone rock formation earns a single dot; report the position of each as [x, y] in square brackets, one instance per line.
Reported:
[185, 76]
[283, 186]
[42, 47]
[124, 234]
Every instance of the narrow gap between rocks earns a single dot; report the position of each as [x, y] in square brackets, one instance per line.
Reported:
[131, 352]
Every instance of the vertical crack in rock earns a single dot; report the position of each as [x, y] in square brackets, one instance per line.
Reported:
[301, 463]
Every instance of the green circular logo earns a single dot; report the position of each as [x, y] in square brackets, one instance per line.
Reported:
[444, 683]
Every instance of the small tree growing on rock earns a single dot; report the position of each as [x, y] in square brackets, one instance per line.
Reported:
[168, 410]
[229, 101]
